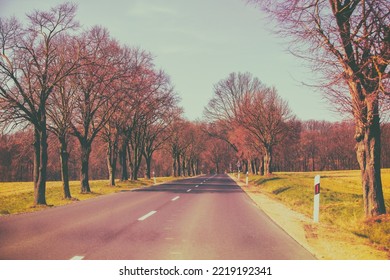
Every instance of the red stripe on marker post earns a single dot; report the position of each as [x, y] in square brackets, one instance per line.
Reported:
[317, 188]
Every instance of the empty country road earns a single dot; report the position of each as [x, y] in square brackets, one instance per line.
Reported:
[200, 218]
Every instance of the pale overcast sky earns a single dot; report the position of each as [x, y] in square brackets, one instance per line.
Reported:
[198, 43]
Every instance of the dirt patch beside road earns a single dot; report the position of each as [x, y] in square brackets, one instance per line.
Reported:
[323, 241]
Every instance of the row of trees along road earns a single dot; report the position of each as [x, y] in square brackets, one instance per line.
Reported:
[60, 79]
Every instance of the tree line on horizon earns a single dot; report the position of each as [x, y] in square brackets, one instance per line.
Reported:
[312, 146]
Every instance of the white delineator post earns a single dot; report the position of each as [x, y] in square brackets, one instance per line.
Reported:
[247, 179]
[316, 212]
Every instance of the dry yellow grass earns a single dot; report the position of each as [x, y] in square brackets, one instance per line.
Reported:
[18, 197]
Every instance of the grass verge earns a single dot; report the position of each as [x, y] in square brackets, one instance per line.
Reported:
[341, 203]
[18, 197]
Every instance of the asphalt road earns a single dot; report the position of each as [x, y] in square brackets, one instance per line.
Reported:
[201, 218]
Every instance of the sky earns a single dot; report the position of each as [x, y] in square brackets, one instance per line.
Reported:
[198, 43]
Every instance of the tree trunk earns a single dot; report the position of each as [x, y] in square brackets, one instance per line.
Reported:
[178, 165]
[174, 169]
[131, 166]
[254, 167]
[261, 166]
[40, 164]
[183, 169]
[368, 150]
[111, 163]
[148, 160]
[64, 156]
[123, 162]
[136, 164]
[84, 174]
[268, 161]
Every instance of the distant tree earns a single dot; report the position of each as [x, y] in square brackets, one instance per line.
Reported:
[349, 42]
[157, 132]
[136, 85]
[33, 62]
[243, 100]
[265, 115]
[110, 134]
[177, 144]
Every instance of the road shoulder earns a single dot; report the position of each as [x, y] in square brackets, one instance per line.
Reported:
[323, 241]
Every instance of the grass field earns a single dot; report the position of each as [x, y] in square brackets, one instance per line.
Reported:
[18, 197]
[341, 203]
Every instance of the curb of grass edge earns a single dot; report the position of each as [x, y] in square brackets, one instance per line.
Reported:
[301, 240]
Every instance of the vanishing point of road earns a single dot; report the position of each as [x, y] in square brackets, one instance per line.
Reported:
[202, 218]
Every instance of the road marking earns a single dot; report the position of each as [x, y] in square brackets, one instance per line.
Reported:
[77, 258]
[144, 217]
[196, 186]
[175, 198]
[189, 190]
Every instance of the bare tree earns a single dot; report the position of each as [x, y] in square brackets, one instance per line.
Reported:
[60, 111]
[241, 100]
[265, 115]
[157, 132]
[98, 88]
[349, 42]
[32, 64]
[116, 131]
[140, 87]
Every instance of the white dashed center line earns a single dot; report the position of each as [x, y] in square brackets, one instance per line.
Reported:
[175, 198]
[144, 217]
[77, 258]
[196, 186]
[189, 190]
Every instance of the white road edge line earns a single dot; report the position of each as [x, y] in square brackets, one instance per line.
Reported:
[189, 190]
[77, 258]
[144, 217]
[175, 198]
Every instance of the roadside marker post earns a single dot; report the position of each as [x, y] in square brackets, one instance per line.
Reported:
[238, 169]
[247, 179]
[316, 212]
[154, 177]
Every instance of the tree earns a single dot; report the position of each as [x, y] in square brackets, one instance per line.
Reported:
[265, 115]
[60, 112]
[110, 135]
[349, 41]
[157, 132]
[32, 62]
[98, 88]
[242, 100]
